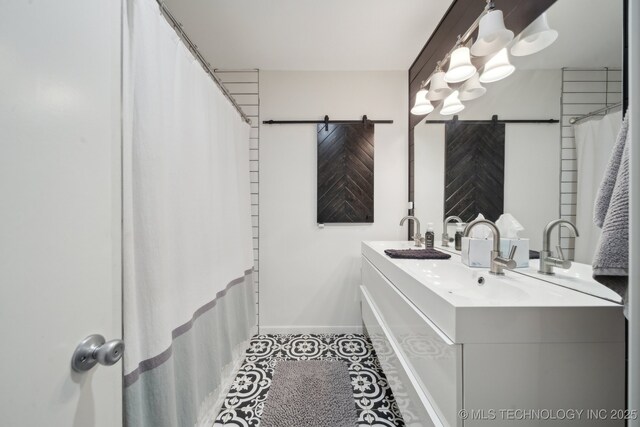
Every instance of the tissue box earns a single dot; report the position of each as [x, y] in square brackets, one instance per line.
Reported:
[521, 256]
[477, 252]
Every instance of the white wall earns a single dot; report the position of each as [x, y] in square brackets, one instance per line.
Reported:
[244, 87]
[428, 198]
[532, 177]
[310, 276]
[532, 151]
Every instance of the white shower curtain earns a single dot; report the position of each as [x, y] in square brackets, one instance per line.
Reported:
[594, 141]
[188, 292]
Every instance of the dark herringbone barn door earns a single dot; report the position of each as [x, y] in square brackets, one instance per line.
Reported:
[345, 173]
[474, 170]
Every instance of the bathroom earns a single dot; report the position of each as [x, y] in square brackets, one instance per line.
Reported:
[266, 213]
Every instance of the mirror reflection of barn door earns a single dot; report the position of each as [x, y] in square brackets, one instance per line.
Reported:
[474, 170]
[60, 277]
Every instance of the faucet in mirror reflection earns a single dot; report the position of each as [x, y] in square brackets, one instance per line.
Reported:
[445, 234]
[547, 261]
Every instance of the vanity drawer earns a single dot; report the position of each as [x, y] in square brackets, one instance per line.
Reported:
[430, 356]
[416, 409]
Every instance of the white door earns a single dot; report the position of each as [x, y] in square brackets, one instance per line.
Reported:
[59, 209]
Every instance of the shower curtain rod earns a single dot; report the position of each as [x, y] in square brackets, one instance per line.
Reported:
[494, 119]
[574, 120]
[177, 26]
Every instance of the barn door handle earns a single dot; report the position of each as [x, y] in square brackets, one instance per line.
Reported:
[93, 350]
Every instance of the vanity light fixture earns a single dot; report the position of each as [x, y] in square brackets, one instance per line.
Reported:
[423, 105]
[460, 66]
[439, 89]
[492, 34]
[537, 36]
[497, 68]
[472, 89]
[492, 37]
[452, 105]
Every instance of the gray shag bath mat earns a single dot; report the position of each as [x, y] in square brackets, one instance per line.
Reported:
[310, 393]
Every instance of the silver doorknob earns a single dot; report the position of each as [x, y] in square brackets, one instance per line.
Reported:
[93, 350]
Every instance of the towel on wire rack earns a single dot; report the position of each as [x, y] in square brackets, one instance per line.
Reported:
[611, 213]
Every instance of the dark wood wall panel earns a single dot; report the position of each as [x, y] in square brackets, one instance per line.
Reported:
[345, 173]
[474, 170]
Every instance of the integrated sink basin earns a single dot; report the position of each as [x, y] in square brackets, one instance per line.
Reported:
[491, 290]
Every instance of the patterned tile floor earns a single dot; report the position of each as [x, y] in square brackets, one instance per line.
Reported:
[374, 401]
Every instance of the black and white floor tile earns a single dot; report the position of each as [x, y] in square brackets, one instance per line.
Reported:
[374, 401]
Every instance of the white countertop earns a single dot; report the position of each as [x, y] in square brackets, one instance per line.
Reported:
[579, 277]
[502, 308]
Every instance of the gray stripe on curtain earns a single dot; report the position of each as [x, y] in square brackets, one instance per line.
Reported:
[158, 360]
[166, 390]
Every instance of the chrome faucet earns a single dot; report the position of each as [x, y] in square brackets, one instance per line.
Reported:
[445, 235]
[547, 262]
[417, 238]
[498, 263]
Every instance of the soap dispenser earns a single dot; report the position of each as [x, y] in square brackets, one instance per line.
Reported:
[459, 234]
[429, 236]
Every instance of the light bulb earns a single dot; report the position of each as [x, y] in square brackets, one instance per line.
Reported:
[460, 66]
[472, 89]
[537, 36]
[423, 105]
[438, 89]
[492, 34]
[497, 68]
[452, 105]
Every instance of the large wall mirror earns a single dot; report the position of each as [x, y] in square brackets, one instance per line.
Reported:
[537, 171]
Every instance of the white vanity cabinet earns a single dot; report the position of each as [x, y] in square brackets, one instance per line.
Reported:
[514, 351]
[419, 353]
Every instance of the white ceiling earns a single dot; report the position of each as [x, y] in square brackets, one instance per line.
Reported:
[373, 34]
[310, 34]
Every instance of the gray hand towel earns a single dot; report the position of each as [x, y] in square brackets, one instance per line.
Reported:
[603, 199]
[611, 213]
[427, 253]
